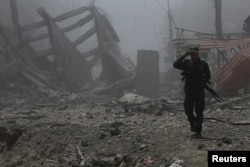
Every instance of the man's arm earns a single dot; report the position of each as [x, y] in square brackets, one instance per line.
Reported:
[179, 63]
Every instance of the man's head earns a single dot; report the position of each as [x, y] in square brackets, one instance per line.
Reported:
[194, 53]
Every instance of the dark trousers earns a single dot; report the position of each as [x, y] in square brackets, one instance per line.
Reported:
[195, 102]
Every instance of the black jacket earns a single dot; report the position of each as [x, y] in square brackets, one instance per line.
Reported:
[198, 70]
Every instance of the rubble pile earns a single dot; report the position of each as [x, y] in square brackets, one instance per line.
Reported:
[81, 130]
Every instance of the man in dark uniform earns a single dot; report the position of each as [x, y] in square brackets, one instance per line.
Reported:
[195, 71]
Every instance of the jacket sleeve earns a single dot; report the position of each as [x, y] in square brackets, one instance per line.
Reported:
[179, 63]
[207, 72]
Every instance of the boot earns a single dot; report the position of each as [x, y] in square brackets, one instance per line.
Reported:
[192, 127]
[198, 136]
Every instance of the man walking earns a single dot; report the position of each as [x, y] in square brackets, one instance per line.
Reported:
[195, 71]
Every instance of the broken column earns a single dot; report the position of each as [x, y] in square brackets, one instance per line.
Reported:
[147, 73]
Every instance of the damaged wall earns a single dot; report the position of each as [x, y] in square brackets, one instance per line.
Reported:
[69, 64]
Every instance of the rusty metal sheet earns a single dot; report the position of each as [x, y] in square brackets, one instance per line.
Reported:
[208, 43]
[233, 75]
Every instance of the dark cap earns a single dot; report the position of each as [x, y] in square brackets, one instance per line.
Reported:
[195, 50]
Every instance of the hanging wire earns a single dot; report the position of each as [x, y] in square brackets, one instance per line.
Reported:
[161, 6]
[106, 14]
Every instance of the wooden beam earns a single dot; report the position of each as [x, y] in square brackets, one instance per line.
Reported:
[12, 42]
[37, 75]
[33, 80]
[78, 24]
[75, 69]
[90, 52]
[85, 36]
[58, 18]
[86, 54]
[15, 22]
[71, 13]
[99, 31]
[48, 52]
[110, 28]
[45, 52]
[39, 37]
[66, 29]
[33, 26]
[95, 59]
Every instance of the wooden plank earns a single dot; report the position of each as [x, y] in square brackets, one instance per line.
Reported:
[25, 55]
[58, 18]
[66, 29]
[93, 61]
[15, 22]
[13, 43]
[71, 13]
[74, 68]
[99, 31]
[78, 24]
[45, 52]
[33, 26]
[113, 69]
[105, 33]
[33, 80]
[39, 37]
[38, 76]
[85, 36]
[110, 28]
[90, 52]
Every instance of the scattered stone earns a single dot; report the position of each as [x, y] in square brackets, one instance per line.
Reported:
[143, 146]
[114, 132]
[177, 163]
[220, 144]
[12, 135]
[201, 146]
[102, 136]
[226, 140]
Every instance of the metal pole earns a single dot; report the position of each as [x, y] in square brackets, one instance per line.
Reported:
[170, 44]
[218, 16]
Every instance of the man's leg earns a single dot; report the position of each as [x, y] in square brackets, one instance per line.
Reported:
[188, 106]
[199, 107]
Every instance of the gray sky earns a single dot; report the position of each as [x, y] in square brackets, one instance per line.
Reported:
[142, 24]
[139, 23]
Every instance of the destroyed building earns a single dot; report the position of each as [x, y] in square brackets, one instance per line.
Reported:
[75, 127]
[63, 60]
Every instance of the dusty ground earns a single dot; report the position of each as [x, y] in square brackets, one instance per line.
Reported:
[41, 131]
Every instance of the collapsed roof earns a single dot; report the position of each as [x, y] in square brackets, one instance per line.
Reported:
[69, 60]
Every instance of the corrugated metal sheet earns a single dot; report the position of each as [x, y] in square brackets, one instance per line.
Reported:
[208, 43]
[205, 44]
[235, 74]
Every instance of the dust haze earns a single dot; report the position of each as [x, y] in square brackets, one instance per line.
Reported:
[91, 82]
[143, 24]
